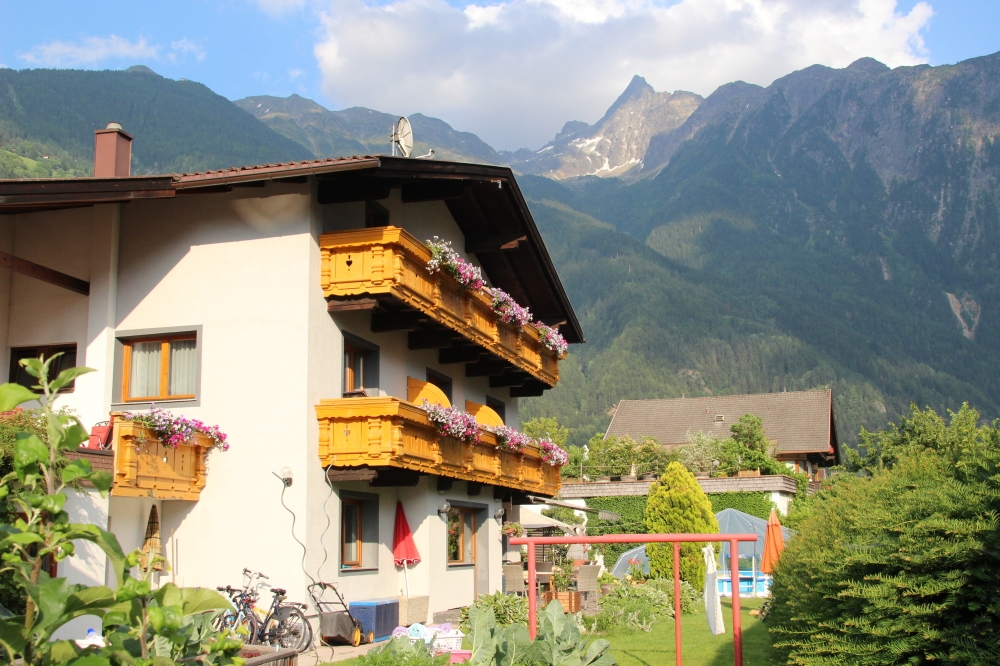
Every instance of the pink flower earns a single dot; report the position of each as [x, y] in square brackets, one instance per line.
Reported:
[509, 311]
[552, 453]
[451, 422]
[552, 339]
[173, 430]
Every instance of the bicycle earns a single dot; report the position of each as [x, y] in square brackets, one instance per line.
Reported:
[285, 625]
[243, 614]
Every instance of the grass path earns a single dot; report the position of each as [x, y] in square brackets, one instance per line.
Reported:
[699, 646]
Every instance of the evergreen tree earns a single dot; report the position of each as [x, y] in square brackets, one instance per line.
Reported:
[677, 505]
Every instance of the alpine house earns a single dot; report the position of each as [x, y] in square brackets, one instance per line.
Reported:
[313, 341]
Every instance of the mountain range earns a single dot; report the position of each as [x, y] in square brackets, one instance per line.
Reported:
[839, 227]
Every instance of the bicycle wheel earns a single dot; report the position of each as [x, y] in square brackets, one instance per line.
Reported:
[251, 624]
[288, 628]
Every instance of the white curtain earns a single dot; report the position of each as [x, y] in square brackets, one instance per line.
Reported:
[713, 604]
[182, 367]
[144, 377]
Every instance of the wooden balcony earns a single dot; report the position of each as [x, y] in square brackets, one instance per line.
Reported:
[389, 432]
[383, 269]
[143, 467]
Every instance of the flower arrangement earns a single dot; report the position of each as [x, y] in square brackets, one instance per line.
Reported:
[552, 453]
[451, 422]
[509, 439]
[509, 311]
[173, 429]
[512, 530]
[552, 339]
[444, 258]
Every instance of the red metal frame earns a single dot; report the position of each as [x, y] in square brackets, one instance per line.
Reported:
[676, 540]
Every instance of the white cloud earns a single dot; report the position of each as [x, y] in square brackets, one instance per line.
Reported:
[90, 51]
[183, 47]
[514, 72]
[480, 16]
[295, 73]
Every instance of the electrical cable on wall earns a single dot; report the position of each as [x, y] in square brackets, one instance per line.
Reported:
[329, 522]
[285, 483]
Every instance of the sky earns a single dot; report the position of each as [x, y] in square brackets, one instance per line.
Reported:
[511, 71]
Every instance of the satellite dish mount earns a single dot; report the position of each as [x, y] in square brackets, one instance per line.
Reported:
[402, 138]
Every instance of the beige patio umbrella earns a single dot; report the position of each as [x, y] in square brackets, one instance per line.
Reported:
[151, 558]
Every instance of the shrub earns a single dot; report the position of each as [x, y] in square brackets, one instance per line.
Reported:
[898, 565]
[691, 599]
[507, 609]
[616, 456]
[677, 504]
[756, 504]
[701, 453]
[632, 605]
[633, 512]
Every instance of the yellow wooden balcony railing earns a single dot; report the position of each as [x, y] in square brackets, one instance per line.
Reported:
[146, 468]
[389, 432]
[389, 261]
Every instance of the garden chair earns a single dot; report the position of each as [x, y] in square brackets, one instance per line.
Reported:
[513, 576]
[543, 573]
[586, 584]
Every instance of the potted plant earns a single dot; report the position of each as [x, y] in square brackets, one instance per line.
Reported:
[512, 530]
[607, 581]
[561, 581]
[636, 574]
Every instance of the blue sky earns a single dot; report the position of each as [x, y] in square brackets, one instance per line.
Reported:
[512, 71]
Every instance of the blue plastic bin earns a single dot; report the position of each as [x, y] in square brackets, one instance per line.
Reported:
[379, 616]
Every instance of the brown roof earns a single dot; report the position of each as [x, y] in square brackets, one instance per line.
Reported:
[484, 200]
[797, 421]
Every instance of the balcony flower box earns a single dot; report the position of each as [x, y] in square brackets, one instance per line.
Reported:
[145, 467]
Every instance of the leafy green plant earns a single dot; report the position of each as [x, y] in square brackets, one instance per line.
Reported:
[607, 578]
[400, 652]
[691, 600]
[558, 642]
[897, 563]
[507, 609]
[140, 625]
[631, 605]
[677, 505]
[616, 456]
[700, 455]
[755, 504]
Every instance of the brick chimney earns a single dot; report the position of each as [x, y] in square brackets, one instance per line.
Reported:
[112, 152]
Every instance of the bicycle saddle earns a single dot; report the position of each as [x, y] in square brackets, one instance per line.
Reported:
[278, 591]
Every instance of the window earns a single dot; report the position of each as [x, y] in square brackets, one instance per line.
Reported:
[443, 382]
[163, 368]
[498, 406]
[350, 542]
[358, 530]
[360, 367]
[461, 536]
[18, 375]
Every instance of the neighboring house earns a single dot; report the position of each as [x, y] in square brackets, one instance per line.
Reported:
[290, 305]
[800, 424]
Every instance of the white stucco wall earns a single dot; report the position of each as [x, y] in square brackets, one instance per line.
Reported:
[243, 269]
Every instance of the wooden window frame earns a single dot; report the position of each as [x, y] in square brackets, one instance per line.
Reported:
[350, 353]
[462, 512]
[164, 341]
[359, 545]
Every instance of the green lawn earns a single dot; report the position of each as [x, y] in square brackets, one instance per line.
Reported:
[699, 646]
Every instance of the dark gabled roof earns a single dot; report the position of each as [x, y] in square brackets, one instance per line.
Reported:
[797, 421]
[484, 200]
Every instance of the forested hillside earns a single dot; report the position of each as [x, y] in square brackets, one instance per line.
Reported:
[841, 228]
[48, 118]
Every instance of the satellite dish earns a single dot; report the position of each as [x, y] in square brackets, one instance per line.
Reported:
[402, 136]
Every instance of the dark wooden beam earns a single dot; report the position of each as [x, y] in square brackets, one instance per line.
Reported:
[473, 489]
[530, 389]
[384, 322]
[352, 189]
[250, 183]
[516, 378]
[494, 243]
[444, 484]
[39, 272]
[393, 476]
[486, 367]
[292, 180]
[364, 474]
[430, 339]
[460, 354]
[349, 304]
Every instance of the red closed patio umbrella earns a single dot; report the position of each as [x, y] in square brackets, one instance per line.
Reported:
[404, 551]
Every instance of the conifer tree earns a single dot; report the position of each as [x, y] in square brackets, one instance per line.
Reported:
[677, 505]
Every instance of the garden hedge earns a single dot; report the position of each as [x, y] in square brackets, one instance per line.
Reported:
[756, 504]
